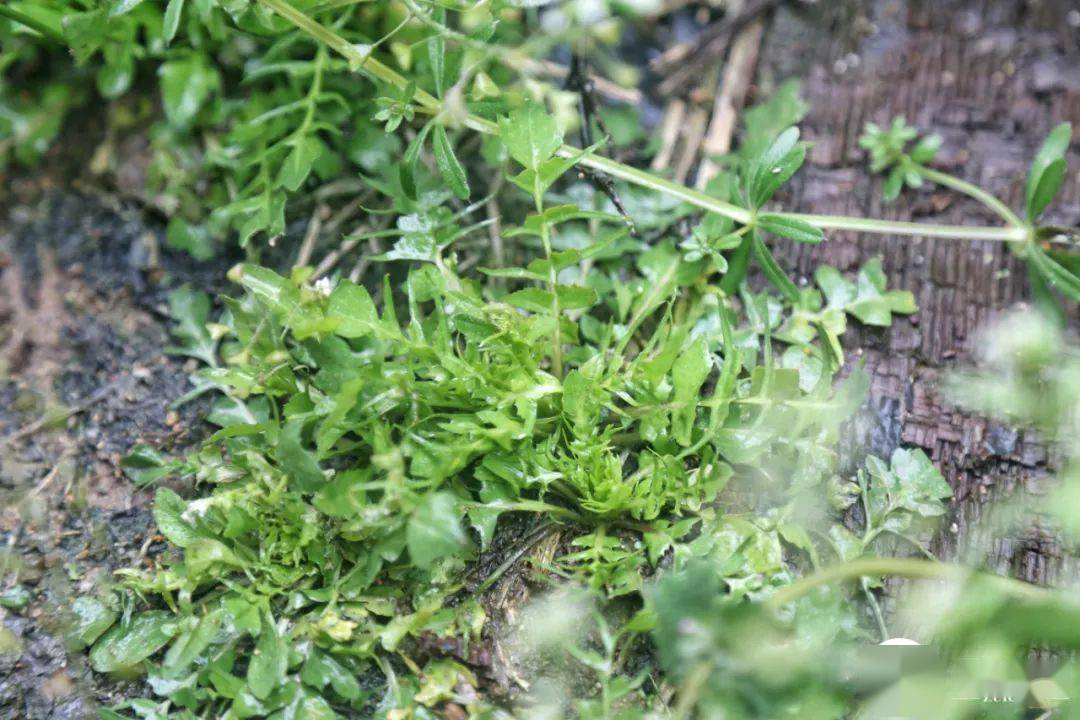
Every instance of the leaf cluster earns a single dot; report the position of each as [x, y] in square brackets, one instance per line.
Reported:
[370, 445]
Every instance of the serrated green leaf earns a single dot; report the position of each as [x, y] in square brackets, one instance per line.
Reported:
[279, 294]
[320, 670]
[90, 619]
[186, 84]
[549, 171]
[909, 485]
[190, 310]
[575, 297]
[298, 163]
[571, 297]
[297, 461]
[169, 509]
[190, 644]
[688, 374]
[145, 465]
[352, 306]
[763, 122]
[194, 239]
[894, 183]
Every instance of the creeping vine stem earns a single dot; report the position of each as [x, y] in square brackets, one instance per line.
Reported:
[363, 61]
[902, 567]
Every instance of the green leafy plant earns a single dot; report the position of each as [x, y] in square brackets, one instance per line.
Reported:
[1050, 251]
[663, 405]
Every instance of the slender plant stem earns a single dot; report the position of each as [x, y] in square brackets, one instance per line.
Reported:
[973, 191]
[553, 280]
[32, 23]
[691, 689]
[312, 99]
[511, 57]
[896, 227]
[879, 618]
[360, 59]
[900, 567]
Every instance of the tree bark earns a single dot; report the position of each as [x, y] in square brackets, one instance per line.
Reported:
[992, 78]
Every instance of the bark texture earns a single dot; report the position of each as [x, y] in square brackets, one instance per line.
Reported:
[992, 78]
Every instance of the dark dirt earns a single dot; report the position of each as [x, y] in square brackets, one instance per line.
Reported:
[83, 279]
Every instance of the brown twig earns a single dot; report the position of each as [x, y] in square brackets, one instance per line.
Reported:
[696, 122]
[685, 61]
[347, 245]
[579, 81]
[670, 129]
[347, 211]
[311, 236]
[738, 73]
[602, 86]
[374, 248]
[331, 258]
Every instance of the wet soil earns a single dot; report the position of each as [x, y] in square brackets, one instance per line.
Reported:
[83, 281]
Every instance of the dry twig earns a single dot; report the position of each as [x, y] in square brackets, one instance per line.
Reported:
[685, 61]
[738, 74]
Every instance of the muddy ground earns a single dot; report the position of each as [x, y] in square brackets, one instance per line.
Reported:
[84, 272]
[82, 306]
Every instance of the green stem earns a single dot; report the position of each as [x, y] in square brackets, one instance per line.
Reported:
[691, 689]
[896, 227]
[533, 506]
[312, 99]
[973, 191]
[32, 23]
[511, 57]
[899, 567]
[553, 281]
[362, 61]
[879, 617]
